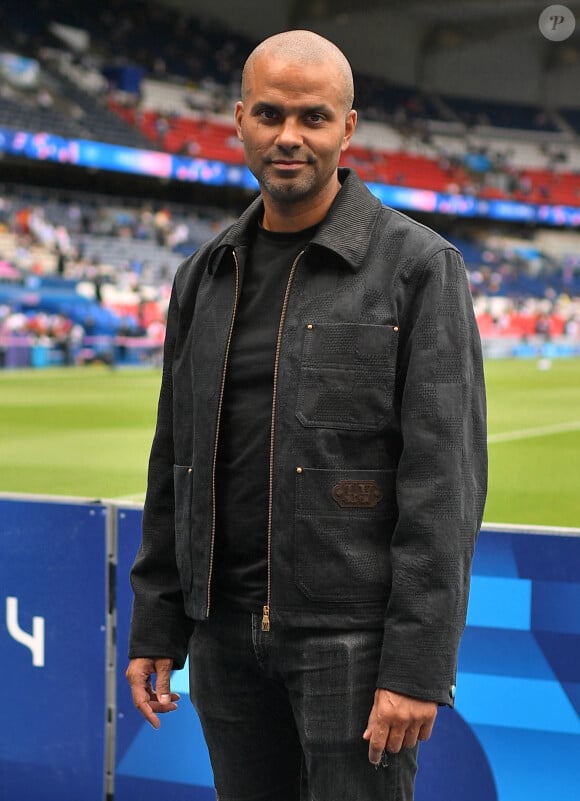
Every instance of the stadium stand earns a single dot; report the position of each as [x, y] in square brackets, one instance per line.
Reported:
[175, 101]
[93, 266]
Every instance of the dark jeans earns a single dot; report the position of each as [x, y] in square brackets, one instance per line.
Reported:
[283, 712]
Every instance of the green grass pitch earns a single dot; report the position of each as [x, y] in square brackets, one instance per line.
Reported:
[87, 431]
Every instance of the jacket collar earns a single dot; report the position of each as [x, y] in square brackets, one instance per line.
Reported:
[346, 229]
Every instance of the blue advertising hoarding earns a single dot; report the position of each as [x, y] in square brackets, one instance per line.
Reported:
[514, 734]
[53, 587]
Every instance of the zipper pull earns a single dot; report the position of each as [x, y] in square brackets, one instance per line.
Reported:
[266, 619]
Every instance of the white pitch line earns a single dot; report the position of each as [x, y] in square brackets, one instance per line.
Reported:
[528, 433]
[137, 497]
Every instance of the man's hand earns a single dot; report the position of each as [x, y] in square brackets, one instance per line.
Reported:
[147, 700]
[397, 721]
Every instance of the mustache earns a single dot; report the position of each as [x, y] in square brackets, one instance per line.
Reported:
[289, 155]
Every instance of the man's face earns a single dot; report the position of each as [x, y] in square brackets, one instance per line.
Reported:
[294, 126]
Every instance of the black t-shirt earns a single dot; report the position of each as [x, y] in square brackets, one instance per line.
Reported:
[242, 474]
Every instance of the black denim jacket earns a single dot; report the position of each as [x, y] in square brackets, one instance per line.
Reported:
[378, 465]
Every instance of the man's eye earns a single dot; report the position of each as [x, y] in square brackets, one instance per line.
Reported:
[315, 118]
[268, 114]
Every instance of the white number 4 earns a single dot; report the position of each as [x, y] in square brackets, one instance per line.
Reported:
[35, 641]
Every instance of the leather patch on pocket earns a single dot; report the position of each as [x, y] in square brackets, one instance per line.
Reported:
[357, 494]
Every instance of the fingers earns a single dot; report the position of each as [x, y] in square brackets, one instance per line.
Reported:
[396, 722]
[139, 677]
[147, 701]
[402, 738]
[427, 728]
[377, 744]
[144, 705]
[391, 740]
[162, 685]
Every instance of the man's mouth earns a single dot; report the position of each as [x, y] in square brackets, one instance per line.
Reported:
[287, 165]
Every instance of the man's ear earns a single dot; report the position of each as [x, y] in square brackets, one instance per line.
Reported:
[349, 126]
[238, 114]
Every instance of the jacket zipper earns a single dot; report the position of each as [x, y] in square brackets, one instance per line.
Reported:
[266, 609]
[218, 421]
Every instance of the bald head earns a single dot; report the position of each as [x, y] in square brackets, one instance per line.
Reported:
[306, 49]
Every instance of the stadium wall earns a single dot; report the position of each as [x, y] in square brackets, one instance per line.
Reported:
[70, 730]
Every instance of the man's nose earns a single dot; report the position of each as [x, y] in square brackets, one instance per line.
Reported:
[289, 135]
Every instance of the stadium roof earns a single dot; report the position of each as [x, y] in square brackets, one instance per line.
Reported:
[492, 48]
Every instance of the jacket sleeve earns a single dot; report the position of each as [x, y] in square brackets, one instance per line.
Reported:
[441, 481]
[159, 625]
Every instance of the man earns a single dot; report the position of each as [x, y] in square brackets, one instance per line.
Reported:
[318, 471]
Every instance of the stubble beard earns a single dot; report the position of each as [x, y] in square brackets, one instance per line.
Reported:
[288, 190]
